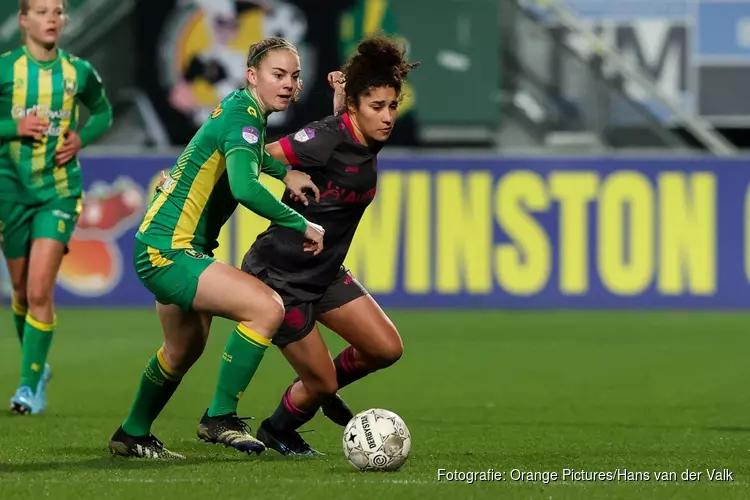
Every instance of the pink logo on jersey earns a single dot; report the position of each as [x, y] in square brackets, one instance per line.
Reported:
[94, 265]
[338, 193]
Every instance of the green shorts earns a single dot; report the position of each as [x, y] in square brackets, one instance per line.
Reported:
[172, 274]
[21, 224]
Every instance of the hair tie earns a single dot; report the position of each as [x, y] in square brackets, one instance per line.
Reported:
[272, 47]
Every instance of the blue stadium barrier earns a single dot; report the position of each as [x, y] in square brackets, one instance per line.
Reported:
[453, 231]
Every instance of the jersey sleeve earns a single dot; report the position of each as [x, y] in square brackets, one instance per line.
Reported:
[313, 145]
[94, 97]
[239, 130]
[8, 126]
[272, 167]
[92, 94]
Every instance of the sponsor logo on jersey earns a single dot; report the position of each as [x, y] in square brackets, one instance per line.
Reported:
[251, 135]
[42, 111]
[195, 254]
[305, 135]
[251, 111]
[216, 112]
[61, 215]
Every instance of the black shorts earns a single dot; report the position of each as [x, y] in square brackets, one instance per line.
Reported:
[302, 313]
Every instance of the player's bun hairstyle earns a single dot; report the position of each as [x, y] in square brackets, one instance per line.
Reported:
[379, 62]
[258, 52]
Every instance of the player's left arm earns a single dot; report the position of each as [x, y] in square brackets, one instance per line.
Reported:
[95, 99]
[273, 167]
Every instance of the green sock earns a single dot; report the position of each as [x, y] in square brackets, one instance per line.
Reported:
[19, 318]
[158, 383]
[37, 337]
[242, 355]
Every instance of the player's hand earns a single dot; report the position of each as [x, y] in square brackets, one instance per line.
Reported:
[32, 126]
[314, 238]
[298, 182]
[337, 81]
[162, 180]
[70, 147]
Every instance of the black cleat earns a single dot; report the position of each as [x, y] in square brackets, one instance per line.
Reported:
[337, 411]
[125, 445]
[288, 443]
[229, 430]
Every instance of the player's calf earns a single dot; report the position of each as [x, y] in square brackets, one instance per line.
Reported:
[336, 410]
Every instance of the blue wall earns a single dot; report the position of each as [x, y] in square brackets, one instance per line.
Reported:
[483, 232]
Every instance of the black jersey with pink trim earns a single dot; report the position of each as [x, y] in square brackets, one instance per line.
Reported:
[345, 172]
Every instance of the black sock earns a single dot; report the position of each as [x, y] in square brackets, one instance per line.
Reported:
[346, 371]
[288, 417]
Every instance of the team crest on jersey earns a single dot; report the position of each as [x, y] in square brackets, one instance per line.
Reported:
[252, 112]
[251, 135]
[195, 254]
[216, 112]
[305, 135]
[71, 86]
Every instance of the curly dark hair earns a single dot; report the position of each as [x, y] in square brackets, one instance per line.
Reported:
[259, 50]
[379, 62]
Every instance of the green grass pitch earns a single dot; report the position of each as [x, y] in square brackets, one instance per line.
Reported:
[533, 391]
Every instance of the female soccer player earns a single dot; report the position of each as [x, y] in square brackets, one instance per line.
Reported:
[41, 192]
[173, 255]
[340, 154]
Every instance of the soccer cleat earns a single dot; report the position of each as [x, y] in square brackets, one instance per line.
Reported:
[22, 403]
[40, 398]
[337, 411]
[229, 430]
[288, 443]
[125, 445]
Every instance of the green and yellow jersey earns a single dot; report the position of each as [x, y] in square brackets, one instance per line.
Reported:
[53, 89]
[218, 168]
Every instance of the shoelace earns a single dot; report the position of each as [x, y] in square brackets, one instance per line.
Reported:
[296, 441]
[242, 424]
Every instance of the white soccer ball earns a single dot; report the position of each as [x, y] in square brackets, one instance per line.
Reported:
[377, 440]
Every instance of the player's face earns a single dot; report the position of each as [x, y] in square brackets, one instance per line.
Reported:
[377, 112]
[277, 80]
[44, 21]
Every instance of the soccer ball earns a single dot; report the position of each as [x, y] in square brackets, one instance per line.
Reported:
[377, 440]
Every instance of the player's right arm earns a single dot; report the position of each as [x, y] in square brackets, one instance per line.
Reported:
[241, 147]
[28, 126]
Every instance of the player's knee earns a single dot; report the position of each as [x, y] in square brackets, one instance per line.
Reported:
[267, 315]
[19, 296]
[273, 311]
[389, 351]
[38, 296]
[181, 358]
